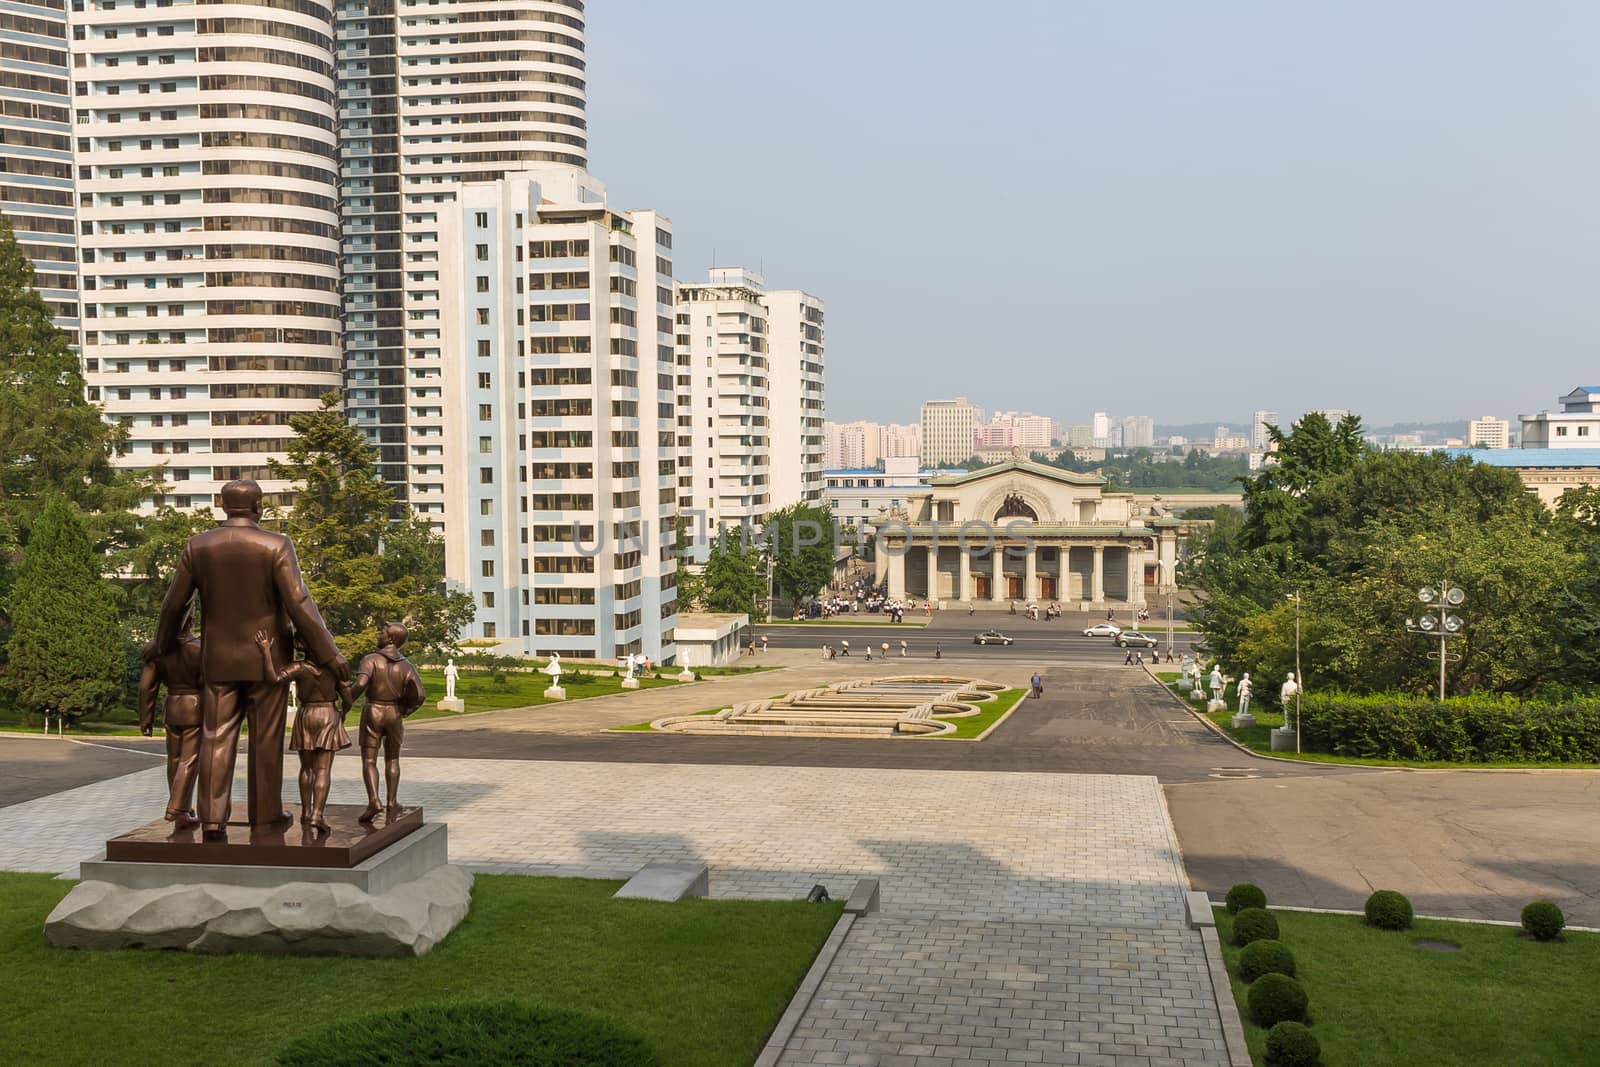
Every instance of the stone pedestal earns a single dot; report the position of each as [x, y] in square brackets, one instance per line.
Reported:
[1283, 739]
[555, 692]
[1243, 719]
[384, 890]
[455, 704]
[686, 675]
[1215, 705]
[630, 683]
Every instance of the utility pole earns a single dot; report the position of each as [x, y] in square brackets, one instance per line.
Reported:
[1438, 619]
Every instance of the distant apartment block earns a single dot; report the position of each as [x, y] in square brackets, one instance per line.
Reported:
[1489, 432]
[1258, 428]
[947, 431]
[799, 445]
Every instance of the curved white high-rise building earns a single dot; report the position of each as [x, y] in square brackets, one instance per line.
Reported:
[434, 93]
[205, 150]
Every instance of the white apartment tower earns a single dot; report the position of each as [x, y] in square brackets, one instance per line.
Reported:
[36, 194]
[208, 219]
[724, 403]
[433, 94]
[1489, 432]
[1258, 429]
[947, 427]
[794, 393]
[543, 440]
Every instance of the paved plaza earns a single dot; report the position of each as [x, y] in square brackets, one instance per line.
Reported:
[1022, 914]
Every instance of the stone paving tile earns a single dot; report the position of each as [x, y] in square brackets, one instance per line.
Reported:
[1027, 918]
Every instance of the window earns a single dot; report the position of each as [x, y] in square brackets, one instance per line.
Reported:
[481, 220]
[485, 444]
[485, 380]
[486, 506]
[485, 350]
[488, 568]
[485, 475]
[483, 317]
[1561, 431]
[488, 629]
[483, 283]
[488, 598]
[485, 412]
[482, 252]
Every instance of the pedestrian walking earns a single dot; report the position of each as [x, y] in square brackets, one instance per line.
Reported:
[1129, 660]
[1037, 684]
[763, 642]
[902, 650]
[938, 650]
[886, 650]
[844, 648]
[869, 652]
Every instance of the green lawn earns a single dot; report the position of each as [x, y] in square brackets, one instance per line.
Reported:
[519, 689]
[702, 981]
[989, 713]
[1376, 1000]
[1258, 738]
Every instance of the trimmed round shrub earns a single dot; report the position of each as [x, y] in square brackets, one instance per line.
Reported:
[1290, 1044]
[1254, 924]
[1275, 998]
[1543, 920]
[1245, 895]
[1265, 957]
[1388, 910]
[502, 1032]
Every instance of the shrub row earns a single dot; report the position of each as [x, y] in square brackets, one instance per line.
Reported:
[1275, 1000]
[1463, 729]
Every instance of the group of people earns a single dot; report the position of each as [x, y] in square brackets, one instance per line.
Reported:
[262, 632]
[843, 649]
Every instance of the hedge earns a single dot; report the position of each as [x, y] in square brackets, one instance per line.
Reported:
[1462, 729]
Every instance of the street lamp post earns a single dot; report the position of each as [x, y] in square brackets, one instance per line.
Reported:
[1299, 674]
[1437, 619]
[1170, 567]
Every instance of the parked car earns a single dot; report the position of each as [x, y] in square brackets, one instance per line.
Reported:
[1135, 639]
[1103, 629]
[991, 637]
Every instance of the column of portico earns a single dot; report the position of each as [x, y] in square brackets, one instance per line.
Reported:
[1030, 575]
[933, 572]
[897, 573]
[963, 574]
[1097, 584]
[1135, 574]
[997, 583]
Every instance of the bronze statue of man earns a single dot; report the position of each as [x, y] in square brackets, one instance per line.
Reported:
[179, 671]
[248, 579]
[394, 691]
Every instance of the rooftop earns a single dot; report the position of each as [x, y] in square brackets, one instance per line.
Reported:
[1531, 457]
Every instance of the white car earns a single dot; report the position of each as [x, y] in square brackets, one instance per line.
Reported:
[1103, 629]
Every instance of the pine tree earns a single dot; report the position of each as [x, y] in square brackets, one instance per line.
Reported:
[67, 648]
[362, 569]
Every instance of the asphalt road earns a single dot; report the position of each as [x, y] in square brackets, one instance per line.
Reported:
[1060, 641]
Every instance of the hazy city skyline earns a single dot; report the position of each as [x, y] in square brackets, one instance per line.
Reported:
[1191, 212]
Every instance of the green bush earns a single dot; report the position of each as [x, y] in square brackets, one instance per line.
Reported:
[1290, 1044]
[1245, 895]
[1275, 998]
[1388, 910]
[1543, 920]
[462, 1034]
[1254, 924]
[1265, 957]
[1478, 729]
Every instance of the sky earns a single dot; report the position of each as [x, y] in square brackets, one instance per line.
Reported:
[1186, 210]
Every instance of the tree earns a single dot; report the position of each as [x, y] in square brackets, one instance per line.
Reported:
[363, 569]
[67, 650]
[53, 441]
[801, 542]
[734, 576]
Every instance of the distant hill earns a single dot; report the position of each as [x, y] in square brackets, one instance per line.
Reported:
[1427, 429]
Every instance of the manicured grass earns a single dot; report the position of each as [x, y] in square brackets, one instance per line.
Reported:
[725, 672]
[989, 713]
[519, 689]
[1376, 1000]
[1258, 738]
[702, 981]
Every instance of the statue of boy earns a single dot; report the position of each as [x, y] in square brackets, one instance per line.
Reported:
[179, 671]
[1244, 693]
[393, 690]
[318, 728]
[450, 676]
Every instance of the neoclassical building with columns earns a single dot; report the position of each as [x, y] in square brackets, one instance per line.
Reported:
[1022, 531]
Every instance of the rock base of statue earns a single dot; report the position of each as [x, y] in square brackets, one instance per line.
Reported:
[1216, 704]
[455, 704]
[1185, 686]
[386, 889]
[555, 692]
[1283, 739]
[1243, 720]
[686, 675]
[630, 683]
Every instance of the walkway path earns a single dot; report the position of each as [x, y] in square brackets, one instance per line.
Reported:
[1026, 917]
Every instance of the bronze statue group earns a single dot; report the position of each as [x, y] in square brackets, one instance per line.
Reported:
[261, 631]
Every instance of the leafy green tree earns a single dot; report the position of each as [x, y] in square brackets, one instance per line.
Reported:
[363, 568]
[1313, 450]
[800, 540]
[67, 649]
[734, 576]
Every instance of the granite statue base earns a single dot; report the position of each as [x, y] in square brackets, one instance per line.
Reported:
[686, 675]
[1283, 739]
[455, 704]
[555, 692]
[630, 683]
[399, 899]
[1243, 720]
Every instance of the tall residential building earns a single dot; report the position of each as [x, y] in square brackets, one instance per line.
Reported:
[852, 445]
[208, 229]
[1489, 432]
[1133, 431]
[1011, 429]
[431, 96]
[724, 431]
[1100, 430]
[1258, 428]
[799, 445]
[899, 440]
[1080, 435]
[36, 193]
[947, 431]
[543, 439]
